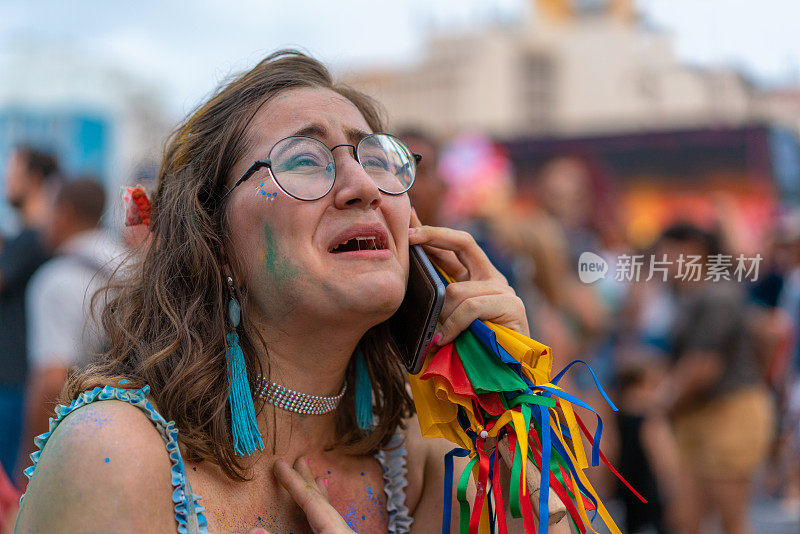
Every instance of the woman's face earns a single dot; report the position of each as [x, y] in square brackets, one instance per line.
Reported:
[282, 247]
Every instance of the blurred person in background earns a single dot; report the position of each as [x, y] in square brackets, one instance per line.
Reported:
[61, 334]
[28, 176]
[565, 224]
[566, 192]
[784, 369]
[429, 189]
[648, 455]
[720, 408]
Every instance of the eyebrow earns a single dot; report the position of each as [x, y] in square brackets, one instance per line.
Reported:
[354, 135]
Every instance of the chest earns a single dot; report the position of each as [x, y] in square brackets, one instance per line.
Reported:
[355, 490]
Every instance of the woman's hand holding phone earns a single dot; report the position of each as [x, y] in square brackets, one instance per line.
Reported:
[480, 291]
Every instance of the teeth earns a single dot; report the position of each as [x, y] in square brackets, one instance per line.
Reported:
[363, 242]
[367, 242]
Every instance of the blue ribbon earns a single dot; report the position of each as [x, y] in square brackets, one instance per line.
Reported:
[544, 490]
[598, 433]
[447, 513]
[559, 447]
[594, 376]
[490, 493]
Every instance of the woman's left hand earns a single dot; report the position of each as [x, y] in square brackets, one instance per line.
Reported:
[479, 290]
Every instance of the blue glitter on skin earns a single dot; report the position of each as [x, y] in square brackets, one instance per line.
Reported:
[108, 460]
[350, 517]
[375, 500]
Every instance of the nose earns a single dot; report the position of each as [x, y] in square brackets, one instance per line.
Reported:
[353, 186]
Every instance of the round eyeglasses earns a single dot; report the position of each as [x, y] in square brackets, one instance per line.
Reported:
[304, 168]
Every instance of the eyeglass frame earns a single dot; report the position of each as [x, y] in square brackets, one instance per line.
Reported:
[261, 163]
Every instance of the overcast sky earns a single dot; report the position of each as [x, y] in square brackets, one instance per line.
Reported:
[187, 47]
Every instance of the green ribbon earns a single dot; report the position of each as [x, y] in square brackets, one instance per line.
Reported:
[516, 467]
[533, 399]
[461, 494]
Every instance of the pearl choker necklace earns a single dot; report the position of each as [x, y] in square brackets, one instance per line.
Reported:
[294, 401]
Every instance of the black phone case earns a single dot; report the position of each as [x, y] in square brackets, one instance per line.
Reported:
[416, 359]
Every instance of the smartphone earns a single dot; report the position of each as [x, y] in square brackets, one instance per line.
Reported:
[413, 324]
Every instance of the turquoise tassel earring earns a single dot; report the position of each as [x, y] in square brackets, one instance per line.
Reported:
[363, 394]
[246, 437]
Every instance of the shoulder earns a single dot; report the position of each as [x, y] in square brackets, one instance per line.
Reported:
[426, 490]
[50, 276]
[426, 469]
[107, 457]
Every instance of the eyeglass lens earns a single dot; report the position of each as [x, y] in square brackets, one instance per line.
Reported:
[305, 167]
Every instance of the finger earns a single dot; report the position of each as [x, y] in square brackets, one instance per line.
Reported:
[448, 261]
[414, 219]
[502, 309]
[463, 244]
[322, 484]
[458, 292]
[303, 466]
[320, 514]
[298, 487]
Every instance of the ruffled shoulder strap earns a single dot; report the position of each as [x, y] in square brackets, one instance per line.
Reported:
[393, 461]
[188, 511]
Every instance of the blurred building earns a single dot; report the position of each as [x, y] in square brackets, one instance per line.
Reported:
[573, 67]
[96, 118]
[781, 106]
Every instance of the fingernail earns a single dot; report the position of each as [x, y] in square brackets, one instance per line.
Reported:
[308, 462]
[411, 231]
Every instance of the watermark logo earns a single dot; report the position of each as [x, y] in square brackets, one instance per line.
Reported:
[591, 267]
[688, 268]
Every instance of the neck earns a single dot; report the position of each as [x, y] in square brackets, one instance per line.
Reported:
[34, 211]
[307, 362]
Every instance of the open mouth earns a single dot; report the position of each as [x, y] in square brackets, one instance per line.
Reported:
[360, 243]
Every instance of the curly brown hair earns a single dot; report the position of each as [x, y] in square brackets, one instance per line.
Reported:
[165, 313]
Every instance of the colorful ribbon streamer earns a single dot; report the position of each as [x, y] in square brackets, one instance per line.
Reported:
[493, 382]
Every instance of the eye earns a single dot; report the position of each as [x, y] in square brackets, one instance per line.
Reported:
[375, 163]
[301, 162]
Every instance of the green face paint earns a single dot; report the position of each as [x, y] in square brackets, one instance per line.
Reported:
[278, 266]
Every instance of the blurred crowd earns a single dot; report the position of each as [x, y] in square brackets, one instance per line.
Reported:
[702, 363]
[49, 271]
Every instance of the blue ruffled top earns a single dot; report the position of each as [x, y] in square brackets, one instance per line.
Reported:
[188, 511]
